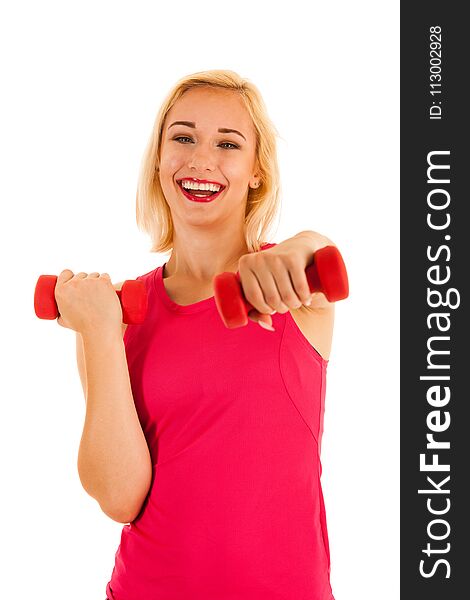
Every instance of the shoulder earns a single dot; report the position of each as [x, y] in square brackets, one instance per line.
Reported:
[117, 287]
[316, 324]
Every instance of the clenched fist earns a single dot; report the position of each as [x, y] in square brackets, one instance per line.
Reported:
[87, 302]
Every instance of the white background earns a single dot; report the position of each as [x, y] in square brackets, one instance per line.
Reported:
[82, 83]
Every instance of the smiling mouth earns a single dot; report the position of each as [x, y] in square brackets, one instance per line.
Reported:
[200, 195]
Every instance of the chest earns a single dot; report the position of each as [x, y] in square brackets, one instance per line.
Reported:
[192, 364]
[193, 379]
[183, 294]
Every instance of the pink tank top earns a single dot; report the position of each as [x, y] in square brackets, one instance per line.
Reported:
[233, 420]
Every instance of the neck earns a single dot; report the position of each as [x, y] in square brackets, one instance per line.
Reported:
[199, 257]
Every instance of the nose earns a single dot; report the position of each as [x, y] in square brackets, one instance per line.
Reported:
[201, 160]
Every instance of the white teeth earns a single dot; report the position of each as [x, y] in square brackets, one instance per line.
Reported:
[192, 185]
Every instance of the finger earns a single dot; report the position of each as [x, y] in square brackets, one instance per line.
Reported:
[300, 283]
[269, 285]
[286, 288]
[258, 317]
[253, 292]
[81, 275]
[64, 276]
[94, 274]
[105, 275]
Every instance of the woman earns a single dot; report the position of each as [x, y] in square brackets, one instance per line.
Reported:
[206, 441]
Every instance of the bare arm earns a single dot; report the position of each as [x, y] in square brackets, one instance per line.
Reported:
[114, 463]
[81, 358]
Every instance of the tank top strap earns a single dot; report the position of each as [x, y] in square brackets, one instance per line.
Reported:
[268, 245]
[148, 279]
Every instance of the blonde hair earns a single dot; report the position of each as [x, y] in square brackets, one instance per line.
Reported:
[152, 211]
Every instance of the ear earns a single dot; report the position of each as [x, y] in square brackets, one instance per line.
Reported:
[256, 179]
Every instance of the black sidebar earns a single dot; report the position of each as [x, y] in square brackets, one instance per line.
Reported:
[434, 333]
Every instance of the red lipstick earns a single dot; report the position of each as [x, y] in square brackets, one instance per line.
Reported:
[193, 198]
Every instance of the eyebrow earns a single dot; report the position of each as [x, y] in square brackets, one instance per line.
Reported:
[220, 130]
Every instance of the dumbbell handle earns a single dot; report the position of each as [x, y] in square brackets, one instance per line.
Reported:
[132, 295]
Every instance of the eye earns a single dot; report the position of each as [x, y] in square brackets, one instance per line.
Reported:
[184, 137]
[230, 144]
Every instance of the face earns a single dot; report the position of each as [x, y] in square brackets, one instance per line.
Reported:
[197, 150]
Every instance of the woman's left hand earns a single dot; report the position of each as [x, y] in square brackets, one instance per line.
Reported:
[274, 280]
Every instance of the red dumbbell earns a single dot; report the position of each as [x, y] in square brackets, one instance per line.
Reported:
[326, 274]
[132, 295]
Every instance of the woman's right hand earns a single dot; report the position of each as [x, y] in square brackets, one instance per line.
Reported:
[87, 302]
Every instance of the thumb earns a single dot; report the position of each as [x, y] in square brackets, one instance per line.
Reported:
[261, 318]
